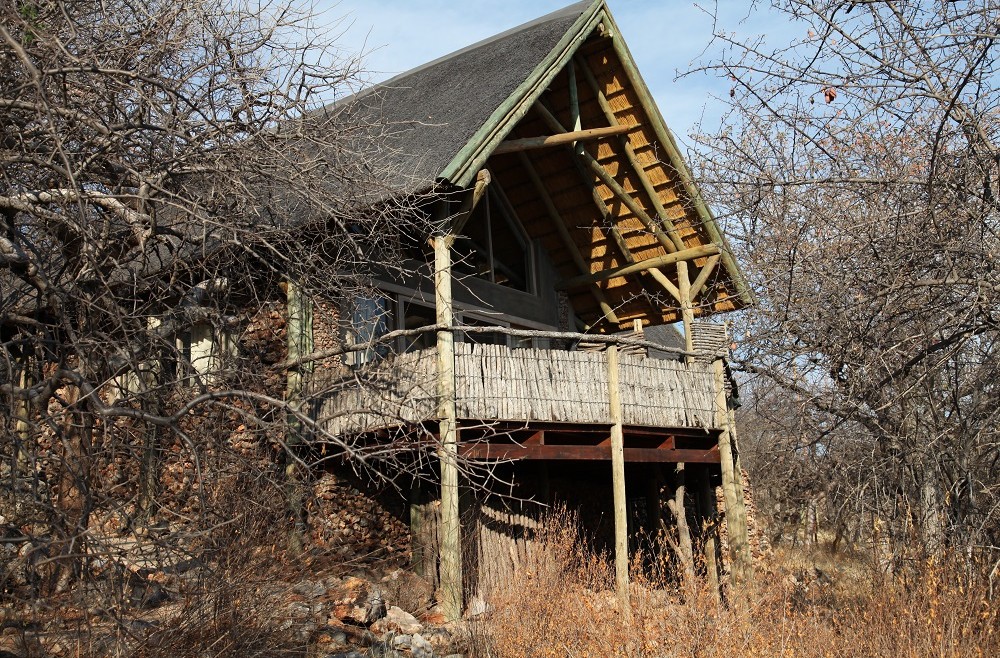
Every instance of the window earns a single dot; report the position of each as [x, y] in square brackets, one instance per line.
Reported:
[203, 351]
[414, 317]
[488, 338]
[494, 247]
[370, 318]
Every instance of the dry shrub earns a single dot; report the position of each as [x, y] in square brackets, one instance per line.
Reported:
[562, 604]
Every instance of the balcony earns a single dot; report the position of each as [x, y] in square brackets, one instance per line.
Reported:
[497, 384]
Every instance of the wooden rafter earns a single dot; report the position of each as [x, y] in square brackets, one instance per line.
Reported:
[630, 155]
[608, 216]
[567, 239]
[640, 266]
[667, 284]
[612, 184]
[609, 226]
[702, 278]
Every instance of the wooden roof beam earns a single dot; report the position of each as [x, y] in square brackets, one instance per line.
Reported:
[612, 184]
[702, 278]
[630, 155]
[567, 239]
[529, 143]
[612, 230]
[640, 266]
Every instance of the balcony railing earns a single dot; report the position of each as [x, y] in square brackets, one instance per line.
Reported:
[495, 382]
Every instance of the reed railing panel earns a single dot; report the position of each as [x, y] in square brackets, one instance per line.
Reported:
[397, 391]
[495, 382]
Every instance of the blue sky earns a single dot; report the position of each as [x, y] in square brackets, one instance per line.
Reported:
[665, 37]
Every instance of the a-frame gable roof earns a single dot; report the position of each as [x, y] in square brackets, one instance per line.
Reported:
[605, 209]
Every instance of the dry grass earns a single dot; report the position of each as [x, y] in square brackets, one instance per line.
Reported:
[562, 605]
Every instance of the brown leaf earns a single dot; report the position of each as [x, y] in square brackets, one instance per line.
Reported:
[829, 94]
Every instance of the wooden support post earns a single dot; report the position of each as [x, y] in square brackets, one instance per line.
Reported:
[708, 519]
[618, 477]
[685, 550]
[687, 306]
[734, 447]
[451, 542]
[299, 325]
[739, 548]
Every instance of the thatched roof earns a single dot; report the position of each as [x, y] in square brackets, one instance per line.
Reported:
[624, 201]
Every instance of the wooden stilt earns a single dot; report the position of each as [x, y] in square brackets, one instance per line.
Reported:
[417, 545]
[299, 341]
[708, 520]
[685, 550]
[451, 542]
[618, 477]
[734, 447]
[738, 543]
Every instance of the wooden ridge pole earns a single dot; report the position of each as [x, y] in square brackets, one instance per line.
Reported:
[451, 543]
[618, 477]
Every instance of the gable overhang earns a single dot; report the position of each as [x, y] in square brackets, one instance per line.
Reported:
[709, 242]
[462, 169]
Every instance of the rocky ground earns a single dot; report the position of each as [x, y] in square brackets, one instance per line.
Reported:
[326, 613]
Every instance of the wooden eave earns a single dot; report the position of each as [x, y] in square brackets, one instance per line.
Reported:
[624, 199]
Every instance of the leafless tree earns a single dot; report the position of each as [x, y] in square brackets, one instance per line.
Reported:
[168, 169]
[858, 167]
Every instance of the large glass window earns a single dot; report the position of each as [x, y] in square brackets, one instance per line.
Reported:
[493, 246]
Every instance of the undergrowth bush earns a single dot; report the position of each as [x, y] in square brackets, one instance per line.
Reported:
[562, 604]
